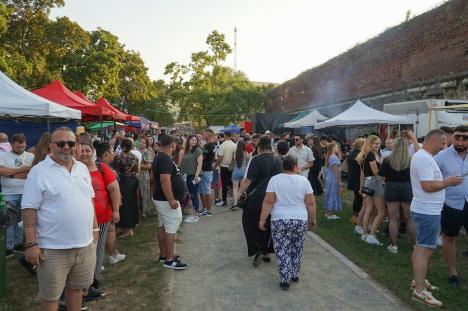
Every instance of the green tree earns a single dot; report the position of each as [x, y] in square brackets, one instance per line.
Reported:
[134, 83]
[209, 93]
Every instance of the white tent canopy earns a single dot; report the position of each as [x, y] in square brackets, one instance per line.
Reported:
[309, 120]
[360, 114]
[15, 101]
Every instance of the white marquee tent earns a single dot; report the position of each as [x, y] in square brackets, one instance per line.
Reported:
[309, 120]
[360, 114]
[16, 102]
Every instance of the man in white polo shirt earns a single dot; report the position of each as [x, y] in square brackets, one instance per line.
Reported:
[60, 224]
[428, 198]
[303, 154]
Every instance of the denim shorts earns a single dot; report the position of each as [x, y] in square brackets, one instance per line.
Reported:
[427, 229]
[375, 183]
[238, 174]
[398, 192]
[205, 182]
[215, 180]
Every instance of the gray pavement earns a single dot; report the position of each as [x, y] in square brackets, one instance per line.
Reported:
[220, 276]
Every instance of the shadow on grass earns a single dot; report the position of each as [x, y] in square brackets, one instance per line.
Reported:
[394, 271]
[137, 283]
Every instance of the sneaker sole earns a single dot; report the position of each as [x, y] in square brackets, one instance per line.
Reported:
[174, 268]
[427, 304]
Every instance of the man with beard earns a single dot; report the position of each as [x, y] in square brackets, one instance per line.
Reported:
[60, 225]
[14, 167]
[453, 162]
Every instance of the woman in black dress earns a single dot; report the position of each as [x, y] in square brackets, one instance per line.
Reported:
[261, 168]
[126, 166]
[315, 170]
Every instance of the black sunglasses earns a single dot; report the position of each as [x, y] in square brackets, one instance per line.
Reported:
[62, 143]
[458, 136]
[297, 139]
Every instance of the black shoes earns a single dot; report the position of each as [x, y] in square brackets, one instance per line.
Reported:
[9, 253]
[175, 264]
[284, 285]
[93, 294]
[266, 259]
[19, 248]
[256, 261]
[295, 280]
[453, 280]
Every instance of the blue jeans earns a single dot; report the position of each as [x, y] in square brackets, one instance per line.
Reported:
[427, 229]
[205, 183]
[14, 232]
[193, 191]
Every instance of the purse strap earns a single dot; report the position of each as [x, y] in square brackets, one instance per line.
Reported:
[260, 184]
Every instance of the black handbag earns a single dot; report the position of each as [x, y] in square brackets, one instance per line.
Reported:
[367, 191]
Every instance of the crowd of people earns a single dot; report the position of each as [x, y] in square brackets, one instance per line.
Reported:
[78, 194]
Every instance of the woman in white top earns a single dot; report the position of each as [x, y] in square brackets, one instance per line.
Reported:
[290, 200]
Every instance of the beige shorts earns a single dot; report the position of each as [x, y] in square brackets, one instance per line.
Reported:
[73, 268]
[168, 218]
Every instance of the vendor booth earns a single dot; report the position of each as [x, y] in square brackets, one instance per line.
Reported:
[308, 120]
[24, 112]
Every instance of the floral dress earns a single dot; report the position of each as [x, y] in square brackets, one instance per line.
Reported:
[147, 205]
[332, 194]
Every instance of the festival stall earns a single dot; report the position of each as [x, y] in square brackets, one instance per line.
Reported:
[57, 92]
[306, 121]
[28, 113]
[360, 114]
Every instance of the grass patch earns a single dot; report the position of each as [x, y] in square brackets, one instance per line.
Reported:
[394, 271]
[137, 283]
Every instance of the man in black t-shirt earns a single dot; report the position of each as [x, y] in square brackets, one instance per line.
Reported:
[207, 172]
[169, 190]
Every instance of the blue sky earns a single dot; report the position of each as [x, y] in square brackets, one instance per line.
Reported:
[277, 39]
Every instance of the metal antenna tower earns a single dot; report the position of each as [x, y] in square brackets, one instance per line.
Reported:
[235, 48]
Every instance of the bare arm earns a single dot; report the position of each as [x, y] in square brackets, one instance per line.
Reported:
[7, 171]
[268, 203]
[307, 166]
[32, 253]
[114, 193]
[336, 173]
[244, 185]
[312, 213]
[437, 185]
[199, 165]
[374, 168]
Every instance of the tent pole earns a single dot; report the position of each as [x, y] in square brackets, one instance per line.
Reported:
[48, 125]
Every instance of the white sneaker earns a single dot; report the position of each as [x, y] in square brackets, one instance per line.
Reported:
[426, 297]
[392, 249]
[116, 258]
[191, 219]
[363, 237]
[220, 203]
[440, 242]
[358, 229]
[335, 217]
[371, 239]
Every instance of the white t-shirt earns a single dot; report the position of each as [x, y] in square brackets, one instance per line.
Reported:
[64, 204]
[12, 160]
[290, 191]
[138, 154]
[424, 168]
[227, 150]
[303, 155]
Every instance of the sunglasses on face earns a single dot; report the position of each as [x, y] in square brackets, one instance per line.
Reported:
[460, 136]
[62, 143]
[297, 139]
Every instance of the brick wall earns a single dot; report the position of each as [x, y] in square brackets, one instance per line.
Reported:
[426, 57]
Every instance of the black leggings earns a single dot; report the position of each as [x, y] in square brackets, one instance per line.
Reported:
[226, 175]
[357, 203]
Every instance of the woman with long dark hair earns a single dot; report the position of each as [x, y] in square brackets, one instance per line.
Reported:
[191, 166]
[261, 168]
[316, 168]
[241, 158]
[126, 166]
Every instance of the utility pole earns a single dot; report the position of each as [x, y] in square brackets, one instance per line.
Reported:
[235, 48]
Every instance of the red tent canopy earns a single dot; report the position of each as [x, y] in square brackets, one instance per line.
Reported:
[121, 116]
[106, 112]
[57, 92]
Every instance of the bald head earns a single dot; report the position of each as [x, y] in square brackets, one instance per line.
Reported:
[3, 138]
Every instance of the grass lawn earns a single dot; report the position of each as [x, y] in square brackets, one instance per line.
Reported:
[137, 283]
[394, 270]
